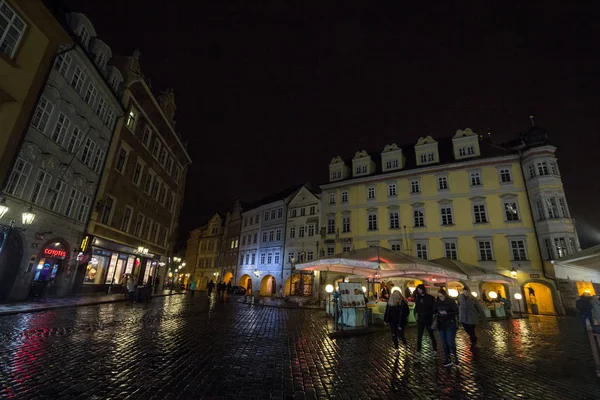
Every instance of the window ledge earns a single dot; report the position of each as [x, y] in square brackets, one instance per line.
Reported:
[512, 221]
[419, 227]
[447, 225]
[506, 183]
[444, 190]
[6, 58]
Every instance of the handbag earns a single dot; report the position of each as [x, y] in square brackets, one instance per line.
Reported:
[434, 323]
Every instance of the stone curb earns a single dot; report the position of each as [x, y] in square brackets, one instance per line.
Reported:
[60, 306]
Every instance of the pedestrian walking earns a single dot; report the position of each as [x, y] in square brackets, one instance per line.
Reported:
[210, 286]
[469, 313]
[219, 288]
[585, 307]
[156, 283]
[228, 287]
[131, 290]
[193, 288]
[396, 314]
[445, 312]
[424, 305]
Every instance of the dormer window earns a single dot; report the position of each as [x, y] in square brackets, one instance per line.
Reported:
[101, 60]
[361, 169]
[84, 36]
[426, 151]
[391, 164]
[427, 157]
[466, 144]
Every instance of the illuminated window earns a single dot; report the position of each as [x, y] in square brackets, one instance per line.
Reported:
[132, 118]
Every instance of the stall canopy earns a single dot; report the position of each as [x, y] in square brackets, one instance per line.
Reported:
[581, 266]
[384, 262]
[474, 273]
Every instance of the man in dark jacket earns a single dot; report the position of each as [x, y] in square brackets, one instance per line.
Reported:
[584, 306]
[424, 304]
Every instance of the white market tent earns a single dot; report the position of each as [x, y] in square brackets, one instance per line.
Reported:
[473, 272]
[581, 266]
[386, 263]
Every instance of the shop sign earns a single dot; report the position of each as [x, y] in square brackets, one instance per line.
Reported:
[39, 236]
[352, 295]
[534, 275]
[86, 243]
[55, 253]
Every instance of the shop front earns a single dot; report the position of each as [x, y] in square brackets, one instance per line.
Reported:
[107, 267]
[53, 269]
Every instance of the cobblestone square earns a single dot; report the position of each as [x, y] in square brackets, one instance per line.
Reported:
[185, 348]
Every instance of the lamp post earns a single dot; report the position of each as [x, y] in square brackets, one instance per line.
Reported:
[518, 297]
[293, 261]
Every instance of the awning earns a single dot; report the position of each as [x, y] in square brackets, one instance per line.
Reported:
[475, 273]
[581, 266]
[386, 263]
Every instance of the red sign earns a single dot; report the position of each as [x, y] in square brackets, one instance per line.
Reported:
[55, 253]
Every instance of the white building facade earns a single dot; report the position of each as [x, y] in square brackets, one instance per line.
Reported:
[302, 239]
[58, 167]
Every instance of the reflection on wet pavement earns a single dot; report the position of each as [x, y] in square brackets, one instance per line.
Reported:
[178, 347]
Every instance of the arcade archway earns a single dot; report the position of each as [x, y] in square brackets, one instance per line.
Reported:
[268, 286]
[539, 297]
[228, 277]
[246, 282]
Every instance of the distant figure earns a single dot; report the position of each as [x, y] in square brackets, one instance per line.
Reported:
[219, 288]
[193, 288]
[131, 290]
[531, 291]
[396, 314]
[585, 307]
[210, 287]
[484, 297]
[385, 293]
[229, 287]
[469, 314]
[156, 283]
[424, 307]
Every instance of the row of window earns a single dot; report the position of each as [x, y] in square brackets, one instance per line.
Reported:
[551, 208]
[208, 245]
[273, 214]
[250, 221]
[266, 258]
[45, 194]
[558, 247]
[301, 256]
[158, 150]
[249, 239]
[485, 250]
[308, 230]
[206, 263]
[67, 135]
[311, 211]
[415, 185]
[144, 228]
[90, 94]
[153, 185]
[272, 236]
[542, 168]
[480, 216]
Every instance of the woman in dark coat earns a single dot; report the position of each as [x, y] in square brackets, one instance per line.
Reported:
[446, 311]
[396, 314]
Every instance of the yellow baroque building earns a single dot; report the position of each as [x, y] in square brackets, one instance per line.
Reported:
[502, 208]
[30, 37]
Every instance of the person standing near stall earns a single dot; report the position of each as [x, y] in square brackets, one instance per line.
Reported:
[424, 305]
[396, 314]
[469, 314]
[445, 312]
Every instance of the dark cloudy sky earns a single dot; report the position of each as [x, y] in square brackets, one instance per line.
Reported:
[269, 91]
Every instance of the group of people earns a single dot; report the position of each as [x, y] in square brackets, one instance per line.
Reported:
[589, 308]
[221, 287]
[443, 315]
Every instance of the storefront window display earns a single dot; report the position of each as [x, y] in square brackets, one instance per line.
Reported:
[99, 265]
[47, 267]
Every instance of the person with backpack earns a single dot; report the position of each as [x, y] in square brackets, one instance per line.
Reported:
[584, 306]
[396, 314]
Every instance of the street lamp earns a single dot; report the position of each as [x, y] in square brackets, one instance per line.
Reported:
[28, 217]
[513, 273]
[518, 297]
[493, 295]
[329, 290]
[256, 273]
[453, 292]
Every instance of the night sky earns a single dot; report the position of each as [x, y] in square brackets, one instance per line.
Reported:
[268, 92]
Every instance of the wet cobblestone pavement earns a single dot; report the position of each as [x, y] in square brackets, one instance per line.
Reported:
[182, 348]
